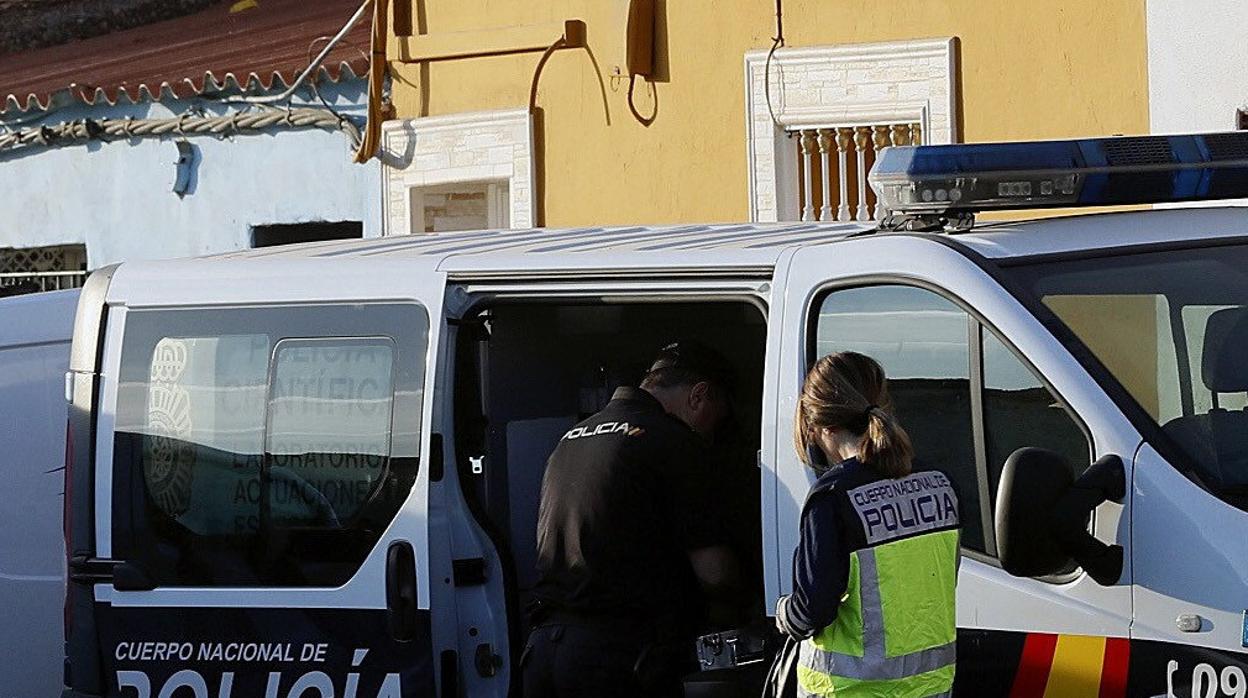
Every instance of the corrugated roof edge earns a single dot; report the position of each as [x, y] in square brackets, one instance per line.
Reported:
[209, 84]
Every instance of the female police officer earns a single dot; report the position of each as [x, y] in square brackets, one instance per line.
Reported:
[874, 573]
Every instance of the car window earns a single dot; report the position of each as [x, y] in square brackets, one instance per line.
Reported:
[928, 346]
[922, 341]
[264, 446]
[1020, 411]
[328, 440]
[203, 430]
[1168, 327]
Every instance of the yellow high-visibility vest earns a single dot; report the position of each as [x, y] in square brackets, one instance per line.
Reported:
[895, 631]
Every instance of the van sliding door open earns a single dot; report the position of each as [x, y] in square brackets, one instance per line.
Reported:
[263, 453]
[527, 370]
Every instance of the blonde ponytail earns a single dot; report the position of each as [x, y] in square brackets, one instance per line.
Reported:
[848, 391]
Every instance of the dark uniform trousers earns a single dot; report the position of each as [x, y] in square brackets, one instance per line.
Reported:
[575, 659]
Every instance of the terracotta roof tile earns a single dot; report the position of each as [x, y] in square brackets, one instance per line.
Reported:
[265, 46]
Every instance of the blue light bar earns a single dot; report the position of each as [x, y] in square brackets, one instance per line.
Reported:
[956, 179]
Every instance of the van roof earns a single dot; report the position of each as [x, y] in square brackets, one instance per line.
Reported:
[1085, 231]
[746, 245]
[734, 245]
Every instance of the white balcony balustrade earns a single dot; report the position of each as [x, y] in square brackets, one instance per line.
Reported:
[833, 163]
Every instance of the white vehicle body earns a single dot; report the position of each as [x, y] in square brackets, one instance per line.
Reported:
[1186, 550]
[35, 333]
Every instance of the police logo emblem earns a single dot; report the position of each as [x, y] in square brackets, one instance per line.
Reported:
[168, 458]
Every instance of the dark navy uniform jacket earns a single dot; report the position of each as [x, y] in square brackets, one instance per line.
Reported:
[626, 495]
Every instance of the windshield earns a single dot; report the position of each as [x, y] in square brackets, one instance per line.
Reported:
[1171, 326]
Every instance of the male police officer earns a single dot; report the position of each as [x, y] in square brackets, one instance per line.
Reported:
[630, 547]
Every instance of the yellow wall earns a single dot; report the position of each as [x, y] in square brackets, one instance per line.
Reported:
[1028, 70]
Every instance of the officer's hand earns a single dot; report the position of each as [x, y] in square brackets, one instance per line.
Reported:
[779, 612]
[782, 619]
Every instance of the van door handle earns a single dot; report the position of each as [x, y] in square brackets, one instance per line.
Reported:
[401, 591]
[84, 569]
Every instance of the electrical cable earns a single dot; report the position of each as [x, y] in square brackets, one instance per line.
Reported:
[632, 106]
[312, 67]
[186, 124]
[316, 91]
[777, 42]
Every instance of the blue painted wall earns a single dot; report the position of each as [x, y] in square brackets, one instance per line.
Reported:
[118, 199]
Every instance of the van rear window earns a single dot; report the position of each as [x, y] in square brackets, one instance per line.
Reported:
[253, 447]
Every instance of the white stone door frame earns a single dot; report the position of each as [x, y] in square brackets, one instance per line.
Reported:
[836, 86]
[492, 146]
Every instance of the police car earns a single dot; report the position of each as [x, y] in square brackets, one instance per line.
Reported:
[314, 470]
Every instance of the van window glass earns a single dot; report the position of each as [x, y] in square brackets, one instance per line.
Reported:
[1169, 325]
[264, 446]
[328, 441]
[1195, 322]
[1020, 411]
[1140, 320]
[922, 341]
[203, 429]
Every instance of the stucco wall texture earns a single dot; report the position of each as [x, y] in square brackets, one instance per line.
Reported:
[116, 197]
[1196, 64]
[1027, 70]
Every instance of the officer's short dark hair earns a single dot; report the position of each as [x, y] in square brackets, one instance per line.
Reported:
[689, 362]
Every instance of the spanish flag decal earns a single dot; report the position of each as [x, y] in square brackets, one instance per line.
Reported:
[1072, 666]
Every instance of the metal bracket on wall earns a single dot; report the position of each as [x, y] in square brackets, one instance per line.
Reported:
[185, 168]
[487, 42]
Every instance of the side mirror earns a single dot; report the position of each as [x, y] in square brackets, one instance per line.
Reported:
[1042, 515]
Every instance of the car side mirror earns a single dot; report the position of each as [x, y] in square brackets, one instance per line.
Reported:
[1042, 515]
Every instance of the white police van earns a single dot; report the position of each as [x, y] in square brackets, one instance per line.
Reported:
[314, 471]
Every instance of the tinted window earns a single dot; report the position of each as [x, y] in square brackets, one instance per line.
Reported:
[1195, 326]
[922, 341]
[1020, 411]
[328, 441]
[252, 448]
[202, 429]
[1170, 327]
